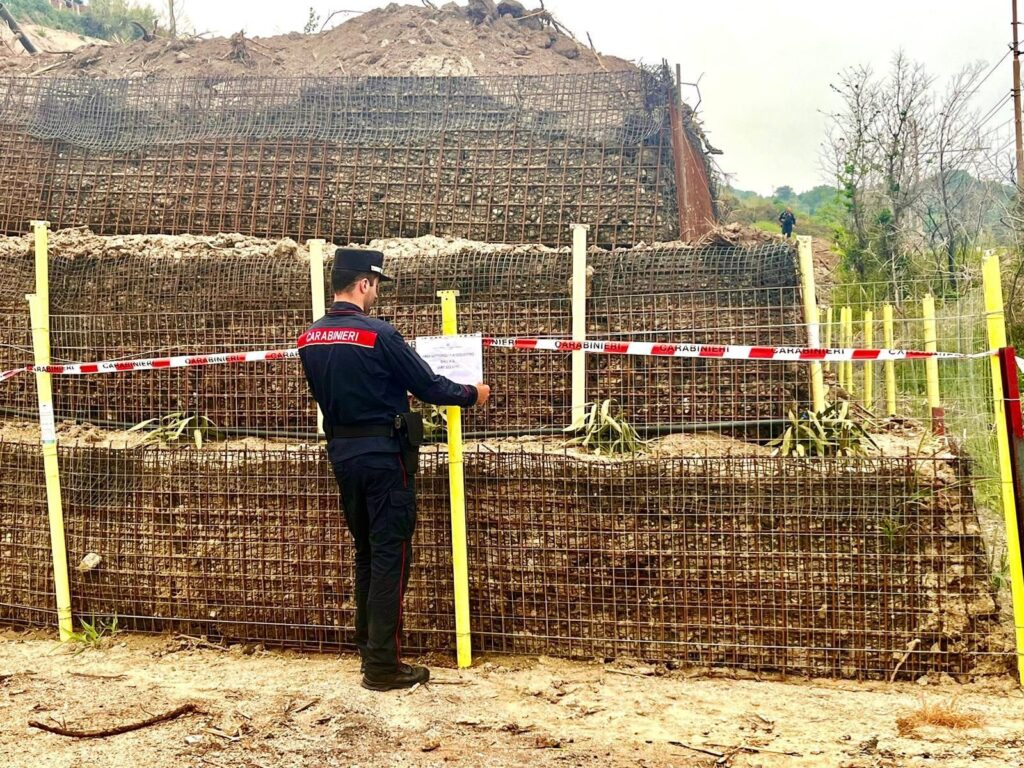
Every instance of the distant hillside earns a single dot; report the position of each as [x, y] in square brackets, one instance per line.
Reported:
[815, 209]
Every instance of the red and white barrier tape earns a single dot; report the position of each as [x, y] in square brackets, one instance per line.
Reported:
[642, 348]
[153, 363]
[727, 352]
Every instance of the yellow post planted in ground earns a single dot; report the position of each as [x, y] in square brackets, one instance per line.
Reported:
[890, 365]
[848, 343]
[39, 310]
[869, 339]
[811, 319]
[841, 342]
[579, 321]
[828, 334]
[996, 340]
[457, 485]
[931, 366]
[316, 292]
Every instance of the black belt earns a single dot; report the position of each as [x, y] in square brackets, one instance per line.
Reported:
[358, 430]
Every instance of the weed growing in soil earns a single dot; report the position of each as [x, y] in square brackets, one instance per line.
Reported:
[605, 433]
[174, 426]
[943, 714]
[829, 432]
[92, 635]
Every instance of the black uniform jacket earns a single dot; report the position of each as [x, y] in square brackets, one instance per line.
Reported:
[359, 369]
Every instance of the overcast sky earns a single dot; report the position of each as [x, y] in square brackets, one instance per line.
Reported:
[765, 67]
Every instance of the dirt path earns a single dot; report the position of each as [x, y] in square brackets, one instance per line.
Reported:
[261, 709]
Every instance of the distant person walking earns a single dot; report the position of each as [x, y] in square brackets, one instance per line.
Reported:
[787, 220]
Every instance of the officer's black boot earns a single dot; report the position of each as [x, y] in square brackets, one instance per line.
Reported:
[406, 676]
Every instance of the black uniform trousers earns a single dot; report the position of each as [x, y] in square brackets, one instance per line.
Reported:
[380, 509]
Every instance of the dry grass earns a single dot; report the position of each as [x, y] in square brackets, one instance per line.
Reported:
[943, 714]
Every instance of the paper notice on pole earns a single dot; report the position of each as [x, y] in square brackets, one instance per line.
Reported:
[459, 358]
[47, 425]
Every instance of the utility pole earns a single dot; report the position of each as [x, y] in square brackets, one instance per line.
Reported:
[1016, 104]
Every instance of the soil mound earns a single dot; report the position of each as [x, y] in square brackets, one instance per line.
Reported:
[396, 40]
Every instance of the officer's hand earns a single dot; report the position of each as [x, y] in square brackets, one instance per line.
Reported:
[483, 393]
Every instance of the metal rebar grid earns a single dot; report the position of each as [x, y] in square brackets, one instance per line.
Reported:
[704, 549]
[130, 114]
[827, 568]
[157, 300]
[26, 573]
[512, 159]
[760, 563]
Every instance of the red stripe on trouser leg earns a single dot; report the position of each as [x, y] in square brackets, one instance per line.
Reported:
[401, 600]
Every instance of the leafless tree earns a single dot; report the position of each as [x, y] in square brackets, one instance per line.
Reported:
[902, 136]
[955, 201]
[851, 154]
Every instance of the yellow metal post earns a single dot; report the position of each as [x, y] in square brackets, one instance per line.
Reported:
[848, 343]
[579, 321]
[811, 318]
[931, 366]
[41, 231]
[457, 485]
[869, 340]
[996, 340]
[841, 342]
[828, 334]
[890, 365]
[316, 291]
[39, 312]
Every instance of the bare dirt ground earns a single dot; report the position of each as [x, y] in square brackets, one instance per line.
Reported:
[262, 708]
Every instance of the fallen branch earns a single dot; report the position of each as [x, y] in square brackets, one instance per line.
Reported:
[596, 54]
[335, 13]
[697, 749]
[910, 648]
[199, 642]
[92, 676]
[182, 710]
[630, 674]
[749, 748]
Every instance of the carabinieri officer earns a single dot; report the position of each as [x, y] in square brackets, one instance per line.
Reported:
[359, 369]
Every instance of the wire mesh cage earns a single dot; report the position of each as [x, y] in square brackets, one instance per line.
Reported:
[498, 159]
[705, 545]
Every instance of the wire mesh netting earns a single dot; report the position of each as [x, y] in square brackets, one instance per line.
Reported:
[155, 302]
[26, 570]
[703, 547]
[628, 107]
[508, 159]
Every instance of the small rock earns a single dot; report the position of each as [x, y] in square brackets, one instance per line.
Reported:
[869, 745]
[89, 562]
[566, 47]
[193, 738]
[511, 8]
[286, 247]
[182, 56]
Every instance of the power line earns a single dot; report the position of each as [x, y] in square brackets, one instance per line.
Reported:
[994, 110]
[990, 72]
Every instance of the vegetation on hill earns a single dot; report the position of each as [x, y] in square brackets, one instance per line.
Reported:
[818, 210]
[105, 19]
